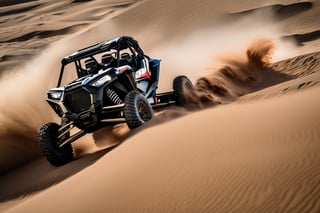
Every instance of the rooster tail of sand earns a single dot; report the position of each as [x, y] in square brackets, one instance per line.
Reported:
[237, 76]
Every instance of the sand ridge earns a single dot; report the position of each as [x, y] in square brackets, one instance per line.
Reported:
[31, 25]
[253, 168]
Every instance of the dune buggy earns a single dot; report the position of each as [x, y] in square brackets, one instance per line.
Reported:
[114, 82]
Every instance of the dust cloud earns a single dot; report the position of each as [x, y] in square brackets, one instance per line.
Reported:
[236, 77]
[23, 109]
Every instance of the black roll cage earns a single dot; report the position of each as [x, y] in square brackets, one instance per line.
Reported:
[117, 44]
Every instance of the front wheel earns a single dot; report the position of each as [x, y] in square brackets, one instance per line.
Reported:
[48, 141]
[137, 109]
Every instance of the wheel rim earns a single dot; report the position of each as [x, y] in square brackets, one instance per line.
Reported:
[144, 111]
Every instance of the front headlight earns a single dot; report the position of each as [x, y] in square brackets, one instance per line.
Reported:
[55, 95]
[101, 81]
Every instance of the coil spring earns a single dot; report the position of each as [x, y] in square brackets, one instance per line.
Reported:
[113, 96]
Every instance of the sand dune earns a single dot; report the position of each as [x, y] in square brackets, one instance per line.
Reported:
[31, 25]
[244, 165]
[258, 151]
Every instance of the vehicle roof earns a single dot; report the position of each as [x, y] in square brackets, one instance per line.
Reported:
[115, 44]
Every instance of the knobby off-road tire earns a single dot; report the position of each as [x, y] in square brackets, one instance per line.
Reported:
[48, 140]
[181, 85]
[137, 109]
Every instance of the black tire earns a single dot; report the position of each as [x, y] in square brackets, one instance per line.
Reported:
[137, 109]
[48, 141]
[181, 84]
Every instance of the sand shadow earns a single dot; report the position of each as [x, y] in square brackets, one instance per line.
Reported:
[300, 39]
[19, 10]
[39, 175]
[271, 77]
[279, 11]
[11, 57]
[5, 3]
[43, 34]
[78, 1]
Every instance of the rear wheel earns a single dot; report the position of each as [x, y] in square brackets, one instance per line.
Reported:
[49, 145]
[181, 85]
[137, 109]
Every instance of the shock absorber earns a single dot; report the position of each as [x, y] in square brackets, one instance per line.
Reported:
[113, 96]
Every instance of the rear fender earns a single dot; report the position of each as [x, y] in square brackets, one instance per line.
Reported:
[154, 65]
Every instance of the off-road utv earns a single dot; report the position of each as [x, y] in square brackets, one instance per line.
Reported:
[115, 82]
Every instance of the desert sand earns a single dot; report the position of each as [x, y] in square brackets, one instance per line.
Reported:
[248, 142]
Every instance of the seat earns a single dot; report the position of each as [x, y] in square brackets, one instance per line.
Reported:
[125, 56]
[125, 59]
[89, 63]
[108, 60]
[91, 66]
